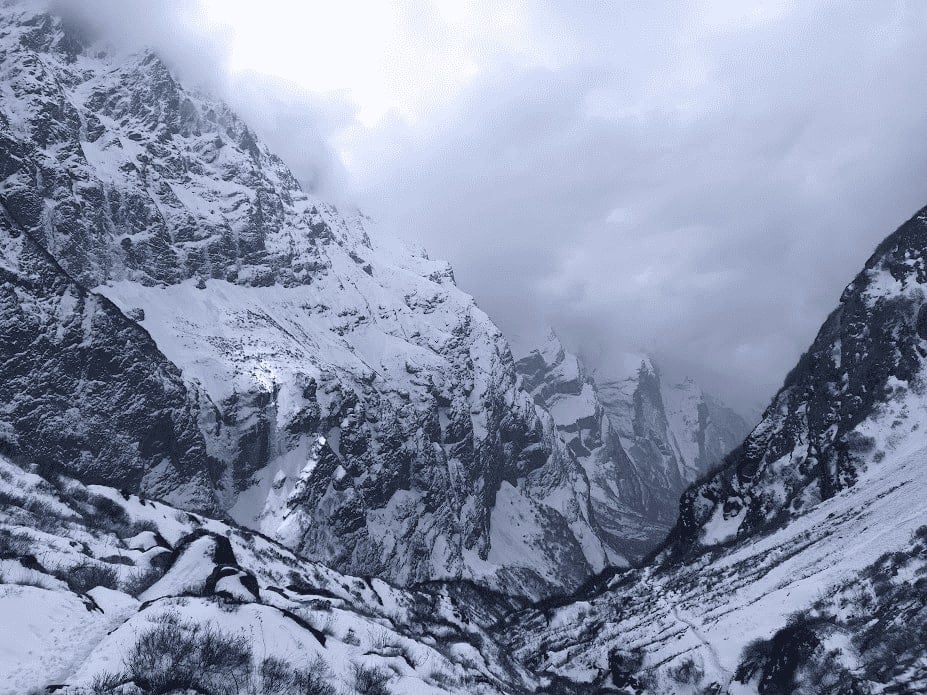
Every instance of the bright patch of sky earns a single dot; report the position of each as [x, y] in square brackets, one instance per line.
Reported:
[405, 57]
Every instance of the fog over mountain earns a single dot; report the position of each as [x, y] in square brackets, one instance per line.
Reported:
[665, 180]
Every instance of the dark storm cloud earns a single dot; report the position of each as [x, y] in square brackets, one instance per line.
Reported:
[689, 182]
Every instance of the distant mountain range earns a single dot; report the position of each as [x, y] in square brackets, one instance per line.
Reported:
[639, 440]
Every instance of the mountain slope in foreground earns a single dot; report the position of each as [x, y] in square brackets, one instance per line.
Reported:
[105, 592]
[799, 565]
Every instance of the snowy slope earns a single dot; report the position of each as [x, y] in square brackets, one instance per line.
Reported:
[88, 573]
[706, 613]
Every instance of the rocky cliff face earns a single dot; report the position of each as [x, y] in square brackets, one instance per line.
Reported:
[348, 397]
[852, 398]
[82, 384]
[673, 432]
[640, 441]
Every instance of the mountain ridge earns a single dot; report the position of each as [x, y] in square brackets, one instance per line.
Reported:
[870, 347]
[753, 592]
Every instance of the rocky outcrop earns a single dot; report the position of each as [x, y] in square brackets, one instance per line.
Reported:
[107, 592]
[673, 432]
[85, 391]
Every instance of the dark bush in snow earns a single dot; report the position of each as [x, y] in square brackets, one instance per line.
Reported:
[369, 680]
[687, 672]
[141, 580]
[280, 678]
[180, 656]
[13, 545]
[87, 575]
[795, 656]
[105, 683]
[623, 667]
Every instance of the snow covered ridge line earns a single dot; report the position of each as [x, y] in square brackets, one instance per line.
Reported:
[102, 592]
[299, 368]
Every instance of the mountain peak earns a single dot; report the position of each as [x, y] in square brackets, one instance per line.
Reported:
[552, 351]
[639, 440]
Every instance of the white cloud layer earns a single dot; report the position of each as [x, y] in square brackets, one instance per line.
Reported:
[700, 182]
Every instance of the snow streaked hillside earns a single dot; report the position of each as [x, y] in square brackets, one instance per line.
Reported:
[88, 574]
[687, 625]
[350, 398]
[639, 440]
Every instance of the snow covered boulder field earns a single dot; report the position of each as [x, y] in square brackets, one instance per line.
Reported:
[106, 592]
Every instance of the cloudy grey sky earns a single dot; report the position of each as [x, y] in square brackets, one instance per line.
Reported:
[696, 179]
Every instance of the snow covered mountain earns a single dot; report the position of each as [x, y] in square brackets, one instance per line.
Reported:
[829, 597]
[347, 460]
[262, 353]
[799, 565]
[640, 441]
[853, 398]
